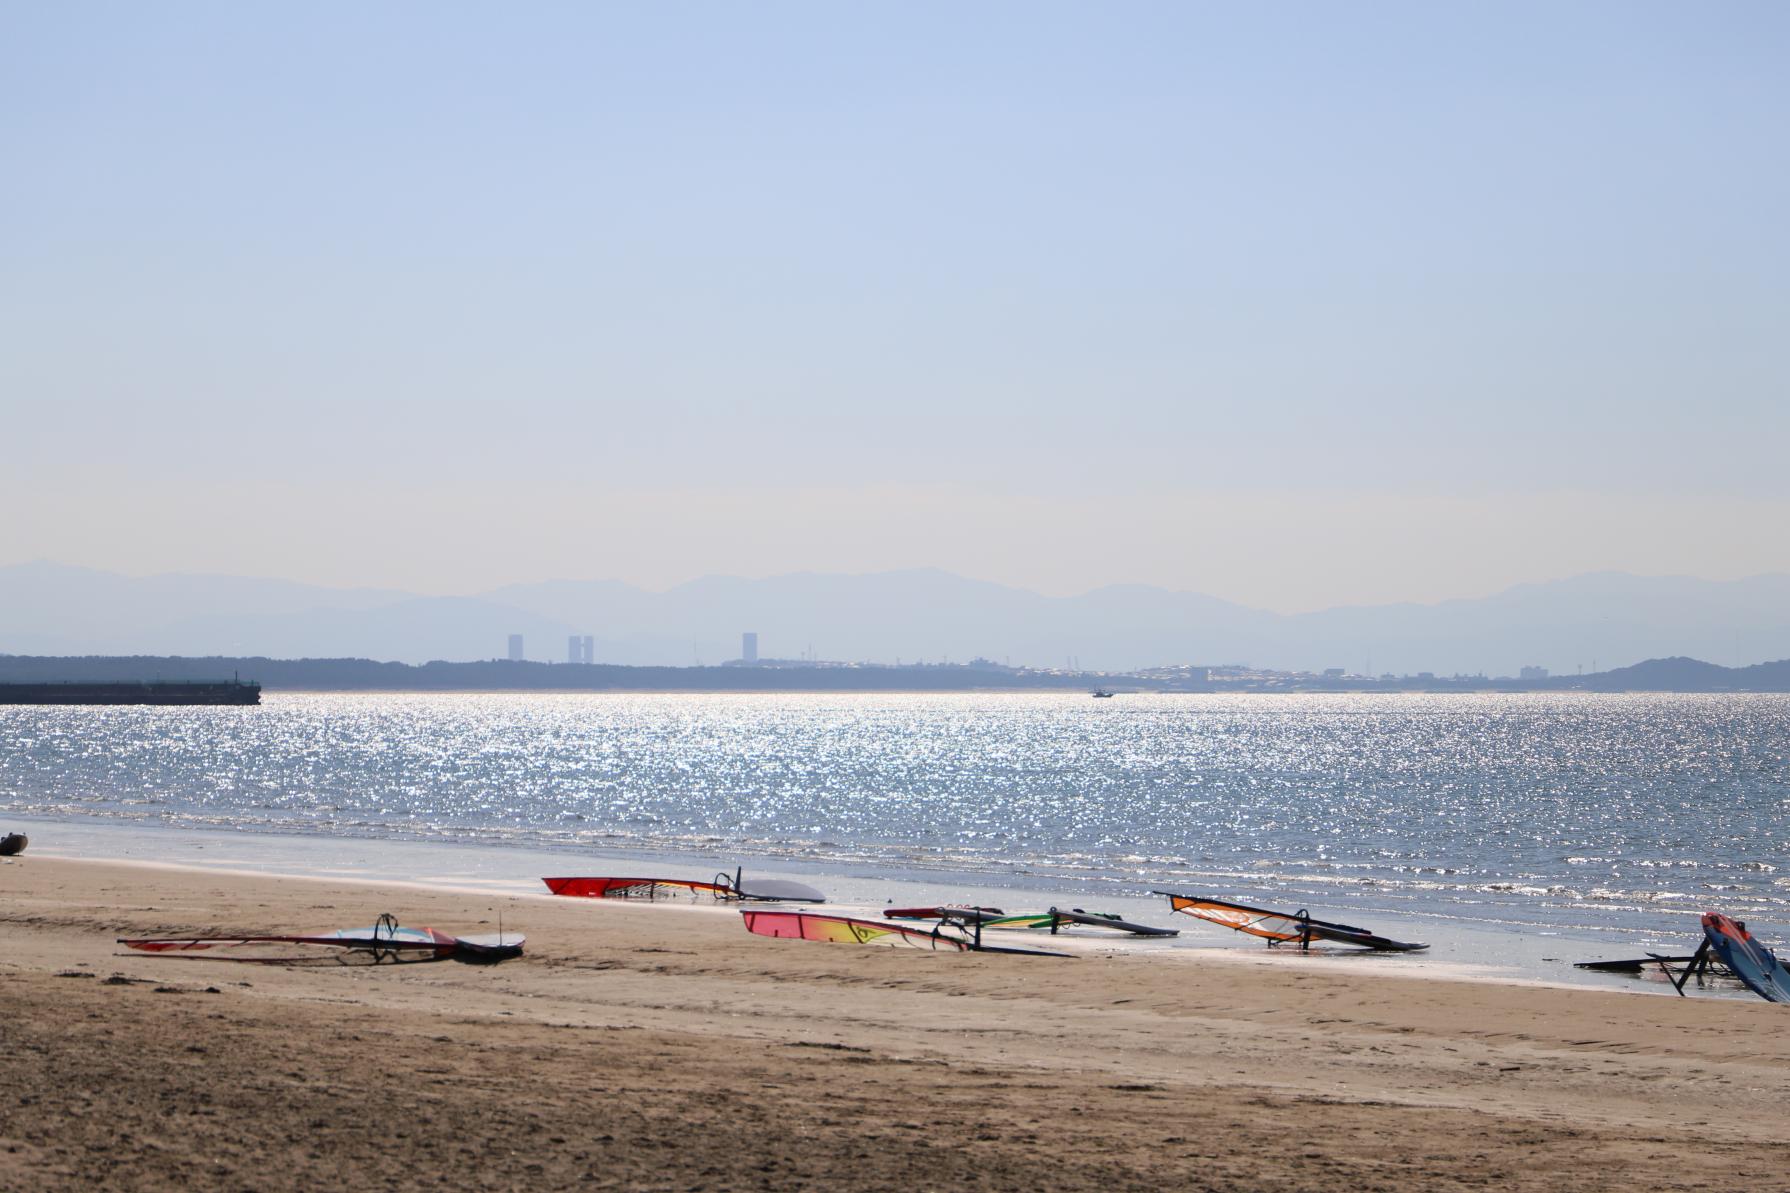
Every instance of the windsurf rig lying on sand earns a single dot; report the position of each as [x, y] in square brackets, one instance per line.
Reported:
[1279, 927]
[383, 942]
[1053, 921]
[1727, 950]
[1646, 964]
[722, 886]
[945, 936]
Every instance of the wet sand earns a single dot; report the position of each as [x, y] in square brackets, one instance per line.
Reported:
[662, 1047]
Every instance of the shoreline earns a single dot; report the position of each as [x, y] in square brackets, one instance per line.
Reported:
[1423, 821]
[1214, 949]
[1461, 949]
[632, 1049]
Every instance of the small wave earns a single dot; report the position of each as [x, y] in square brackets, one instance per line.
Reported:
[1602, 895]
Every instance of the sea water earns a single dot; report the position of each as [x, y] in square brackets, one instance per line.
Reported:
[1526, 817]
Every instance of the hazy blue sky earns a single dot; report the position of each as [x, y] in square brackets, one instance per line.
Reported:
[1293, 304]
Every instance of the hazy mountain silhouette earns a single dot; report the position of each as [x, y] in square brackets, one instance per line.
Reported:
[1612, 619]
[1609, 619]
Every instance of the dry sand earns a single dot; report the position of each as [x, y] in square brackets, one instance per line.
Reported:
[659, 1047]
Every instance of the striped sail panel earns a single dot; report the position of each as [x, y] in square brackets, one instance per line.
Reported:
[1269, 925]
[1279, 926]
[836, 929]
[630, 888]
[1044, 920]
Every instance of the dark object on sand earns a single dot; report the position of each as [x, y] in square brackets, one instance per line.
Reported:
[13, 843]
[1635, 964]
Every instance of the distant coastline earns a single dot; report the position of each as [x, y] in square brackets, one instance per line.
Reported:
[348, 675]
[156, 691]
[1580, 625]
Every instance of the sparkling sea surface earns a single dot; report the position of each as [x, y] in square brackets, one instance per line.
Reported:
[1583, 815]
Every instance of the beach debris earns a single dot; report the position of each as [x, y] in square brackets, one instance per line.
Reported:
[722, 886]
[13, 844]
[1279, 927]
[385, 941]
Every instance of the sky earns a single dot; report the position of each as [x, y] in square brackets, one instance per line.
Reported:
[1297, 304]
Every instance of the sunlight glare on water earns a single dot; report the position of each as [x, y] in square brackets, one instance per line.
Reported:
[1571, 807]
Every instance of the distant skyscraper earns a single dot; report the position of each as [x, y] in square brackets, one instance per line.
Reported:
[590, 649]
[575, 650]
[515, 648]
[749, 647]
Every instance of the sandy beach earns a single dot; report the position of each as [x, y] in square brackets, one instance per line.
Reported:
[662, 1047]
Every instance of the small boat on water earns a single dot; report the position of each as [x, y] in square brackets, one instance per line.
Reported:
[1102, 694]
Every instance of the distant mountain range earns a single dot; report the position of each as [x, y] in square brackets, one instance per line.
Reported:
[1692, 675]
[365, 675]
[1595, 622]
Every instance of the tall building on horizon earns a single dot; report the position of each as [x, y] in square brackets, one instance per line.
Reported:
[575, 649]
[749, 647]
[590, 648]
[515, 648]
